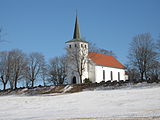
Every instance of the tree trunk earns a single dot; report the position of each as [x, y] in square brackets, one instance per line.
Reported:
[44, 83]
[15, 84]
[142, 76]
[4, 83]
[4, 86]
[32, 83]
[11, 85]
[27, 85]
[146, 77]
[80, 79]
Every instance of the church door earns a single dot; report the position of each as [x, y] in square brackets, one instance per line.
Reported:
[74, 80]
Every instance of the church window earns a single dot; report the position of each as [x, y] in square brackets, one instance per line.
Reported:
[103, 74]
[118, 75]
[81, 45]
[85, 46]
[74, 80]
[69, 46]
[111, 75]
[75, 45]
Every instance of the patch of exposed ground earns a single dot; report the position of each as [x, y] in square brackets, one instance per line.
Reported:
[61, 89]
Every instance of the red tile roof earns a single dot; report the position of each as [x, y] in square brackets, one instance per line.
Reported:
[105, 60]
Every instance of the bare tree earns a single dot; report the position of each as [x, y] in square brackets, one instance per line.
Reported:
[2, 34]
[94, 48]
[34, 67]
[5, 70]
[17, 66]
[142, 54]
[133, 74]
[63, 69]
[154, 71]
[53, 79]
[44, 73]
[58, 66]
[158, 47]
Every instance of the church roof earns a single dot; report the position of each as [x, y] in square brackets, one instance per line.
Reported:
[76, 35]
[77, 40]
[105, 60]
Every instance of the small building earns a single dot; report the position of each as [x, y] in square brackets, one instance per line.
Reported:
[83, 64]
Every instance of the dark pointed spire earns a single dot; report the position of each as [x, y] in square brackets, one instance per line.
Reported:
[76, 34]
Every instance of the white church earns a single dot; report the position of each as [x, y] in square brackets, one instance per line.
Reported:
[83, 64]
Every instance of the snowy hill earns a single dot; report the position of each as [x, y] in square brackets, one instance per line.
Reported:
[127, 103]
[41, 90]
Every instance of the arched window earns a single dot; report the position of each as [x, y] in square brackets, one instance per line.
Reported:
[104, 75]
[69, 46]
[111, 75]
[75, 45]
[118, 75]
[74, 80]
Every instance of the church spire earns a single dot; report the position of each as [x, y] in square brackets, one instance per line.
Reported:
[76, 34]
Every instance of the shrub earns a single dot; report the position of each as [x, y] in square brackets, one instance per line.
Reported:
[86, 80]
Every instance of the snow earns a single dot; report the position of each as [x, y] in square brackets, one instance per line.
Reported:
[67, 88]
[98, 104]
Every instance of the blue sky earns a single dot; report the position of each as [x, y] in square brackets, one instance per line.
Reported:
[45, 25]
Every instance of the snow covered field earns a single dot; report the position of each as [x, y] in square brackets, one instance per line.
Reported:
[92, 105]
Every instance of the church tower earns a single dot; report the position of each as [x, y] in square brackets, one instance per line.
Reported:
[77, 52]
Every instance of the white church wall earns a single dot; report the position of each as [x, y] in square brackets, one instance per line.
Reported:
[91, 71]
[82, 49]
[70, 76]
[115, 71]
